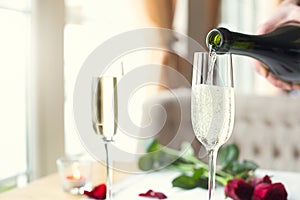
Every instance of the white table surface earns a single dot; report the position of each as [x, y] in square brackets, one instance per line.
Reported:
[130, 187]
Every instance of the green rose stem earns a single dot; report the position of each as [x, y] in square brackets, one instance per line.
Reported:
[221, 176]
[183, 161]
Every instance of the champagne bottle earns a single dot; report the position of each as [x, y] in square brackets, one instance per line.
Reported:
[278, 50]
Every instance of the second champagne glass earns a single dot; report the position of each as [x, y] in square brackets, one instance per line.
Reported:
[104, 116]
[212, 105]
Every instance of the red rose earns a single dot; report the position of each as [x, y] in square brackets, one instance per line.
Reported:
[265, 191]
[255, 181]
[238, 189]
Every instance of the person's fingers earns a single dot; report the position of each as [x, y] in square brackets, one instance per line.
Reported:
[263, 71]
[261, 68]
[293, 13]
[287, 12]
[272, 23]
[266, 27]
[279, 83]
[296, 86]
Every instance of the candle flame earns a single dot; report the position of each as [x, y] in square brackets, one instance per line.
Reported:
[76, 171]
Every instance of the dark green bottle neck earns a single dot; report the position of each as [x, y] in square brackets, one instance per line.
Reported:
[278, 50]
[219, 40]
[222, 40]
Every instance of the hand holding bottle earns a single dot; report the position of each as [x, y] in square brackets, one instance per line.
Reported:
[287, 12]
[279, 50]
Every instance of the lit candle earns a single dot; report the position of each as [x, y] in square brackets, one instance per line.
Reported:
[75, 180]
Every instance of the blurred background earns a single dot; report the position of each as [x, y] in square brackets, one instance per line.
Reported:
[43, 44]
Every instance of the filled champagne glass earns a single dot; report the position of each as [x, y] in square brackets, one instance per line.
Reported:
[104, 116]
[212, 105]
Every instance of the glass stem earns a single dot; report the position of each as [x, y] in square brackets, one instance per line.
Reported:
[108, 175]
[212, 163]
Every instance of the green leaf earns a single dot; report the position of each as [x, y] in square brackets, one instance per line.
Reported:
[203, 182]
[243, 167]
[250, 165]
[146, 162]
[198, 173]
[185, 182]
[154, 146]
[189, 182]
[228, 154]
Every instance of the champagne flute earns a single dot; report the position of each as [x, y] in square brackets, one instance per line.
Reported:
[212, 105]
[104, 116]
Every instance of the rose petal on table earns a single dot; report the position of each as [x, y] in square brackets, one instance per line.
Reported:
[99, 192]
[152, 194]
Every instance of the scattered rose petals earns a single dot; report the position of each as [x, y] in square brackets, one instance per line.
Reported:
[152, 194]
[99, 192]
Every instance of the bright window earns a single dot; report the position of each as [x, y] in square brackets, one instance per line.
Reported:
[14, 48]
